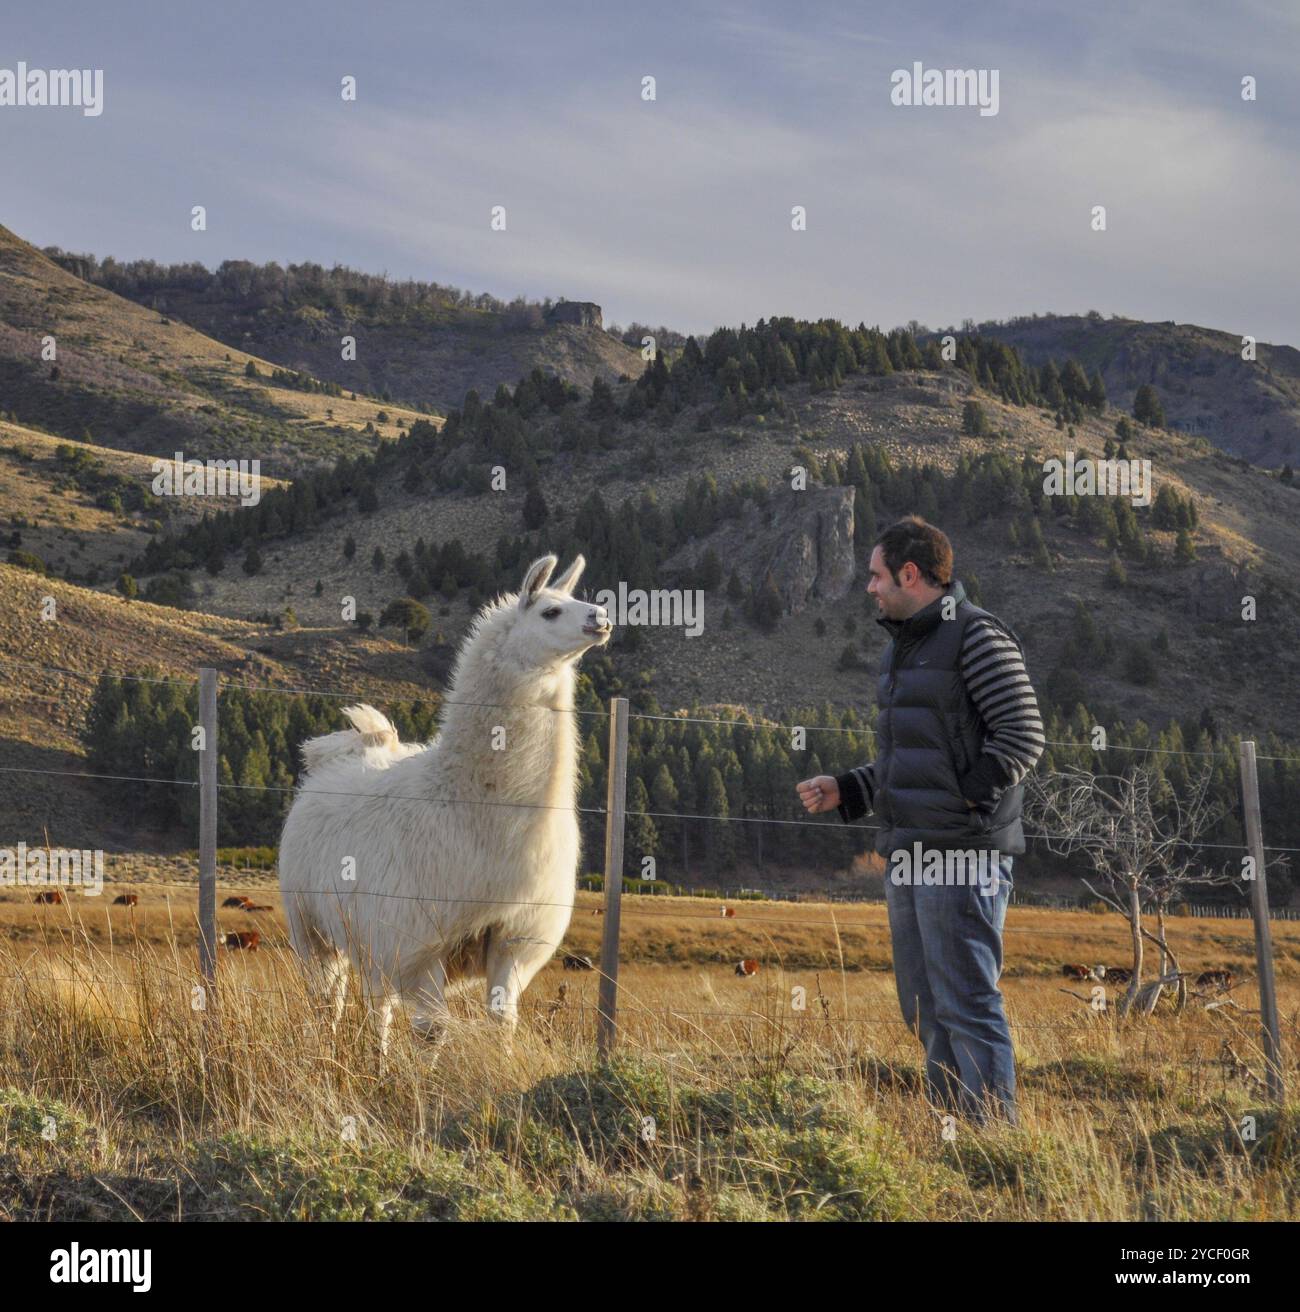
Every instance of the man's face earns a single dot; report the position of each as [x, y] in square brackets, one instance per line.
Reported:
[893, 601]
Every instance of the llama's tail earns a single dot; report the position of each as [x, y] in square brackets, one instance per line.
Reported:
[369, 730]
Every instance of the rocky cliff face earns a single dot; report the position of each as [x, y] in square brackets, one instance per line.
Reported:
[812, 552]
[1215, 589]
[582, 314]
[804, 541]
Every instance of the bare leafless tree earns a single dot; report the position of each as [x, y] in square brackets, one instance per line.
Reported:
[1141, 837]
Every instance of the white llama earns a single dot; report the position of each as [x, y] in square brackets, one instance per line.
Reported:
[422, 865]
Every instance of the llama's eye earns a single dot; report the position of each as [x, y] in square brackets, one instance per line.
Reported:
[551, 613]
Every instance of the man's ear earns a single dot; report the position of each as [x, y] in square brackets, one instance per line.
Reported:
[535, 579]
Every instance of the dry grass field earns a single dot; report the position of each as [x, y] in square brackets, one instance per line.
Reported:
[726, 1099]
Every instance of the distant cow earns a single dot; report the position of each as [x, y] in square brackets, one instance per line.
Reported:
[578, 963]
[1118, 974]
[728, 912]
[1221, 979]
[1077, 972]
[51, 897]
[241, 902]
[244, 938]
[125, 900]
[746, 968]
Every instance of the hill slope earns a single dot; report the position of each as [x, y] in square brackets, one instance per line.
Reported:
[683, 480]
[1244, 541]
[1250, 409]
[417, 342]
[137, 380]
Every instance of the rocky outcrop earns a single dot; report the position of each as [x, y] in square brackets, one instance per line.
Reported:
[1215, 590]
[803, 541]
[916, 388]
[582, 314]
[812, 549]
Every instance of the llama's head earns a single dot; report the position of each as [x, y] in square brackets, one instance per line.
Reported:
[550, 625]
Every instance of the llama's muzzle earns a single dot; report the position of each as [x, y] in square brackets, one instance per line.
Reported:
[598, 626]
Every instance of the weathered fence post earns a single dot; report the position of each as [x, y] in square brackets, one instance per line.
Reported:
[1263, 930]
[208, 825]
[615, 817]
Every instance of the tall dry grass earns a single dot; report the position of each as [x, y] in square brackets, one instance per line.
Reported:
[120, 1097]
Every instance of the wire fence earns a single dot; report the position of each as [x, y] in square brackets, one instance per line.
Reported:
[758, 724]
[744, 916]
[300, 790]
[1017, 897]
[758, 922]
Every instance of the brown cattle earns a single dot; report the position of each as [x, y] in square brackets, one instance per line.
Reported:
[244, 938]
[241, 902]
[728, 912]
[1221, 979]
[51, 897]
[1076, 972]
[746, 968]
[125, 900]
[578, 963]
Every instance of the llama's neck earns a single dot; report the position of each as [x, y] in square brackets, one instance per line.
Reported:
[512, 737]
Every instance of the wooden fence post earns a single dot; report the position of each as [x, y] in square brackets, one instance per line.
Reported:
[208, 825]
[615, 818]
[1263, 930]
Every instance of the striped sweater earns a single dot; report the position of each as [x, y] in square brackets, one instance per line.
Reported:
[999, 687]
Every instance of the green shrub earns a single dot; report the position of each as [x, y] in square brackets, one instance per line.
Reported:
[28, 560]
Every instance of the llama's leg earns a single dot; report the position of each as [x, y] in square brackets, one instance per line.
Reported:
[427, 1003]
[511, 964]
[338, 971]
[381, 998]
[326, 967]
[327, 977]
[384, 1011]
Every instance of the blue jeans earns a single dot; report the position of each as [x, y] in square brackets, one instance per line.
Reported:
[947, 961]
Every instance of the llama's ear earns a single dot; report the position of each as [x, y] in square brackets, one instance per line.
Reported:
[569, 579]
[535, 580]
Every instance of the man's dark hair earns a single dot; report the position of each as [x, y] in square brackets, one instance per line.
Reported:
[924, 545]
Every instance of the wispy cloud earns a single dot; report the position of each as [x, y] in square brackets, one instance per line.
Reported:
[679, 210]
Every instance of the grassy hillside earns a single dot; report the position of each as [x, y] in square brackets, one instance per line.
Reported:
[1245, 535]
[132, 378]
[417, 343]
[1248, 408]
[43, 713]
[681, 479]
[88, 510]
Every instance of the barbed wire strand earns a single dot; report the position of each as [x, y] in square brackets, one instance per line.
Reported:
[94, 678]
[757, 921]
[829, 826]
[389, 696]
[835, 728]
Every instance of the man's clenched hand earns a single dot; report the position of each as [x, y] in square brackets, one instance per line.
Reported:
[819, 794]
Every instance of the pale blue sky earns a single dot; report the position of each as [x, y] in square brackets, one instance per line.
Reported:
[679, 211]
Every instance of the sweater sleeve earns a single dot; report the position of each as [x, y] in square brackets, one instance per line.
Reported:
[857, 792]
[993, 667]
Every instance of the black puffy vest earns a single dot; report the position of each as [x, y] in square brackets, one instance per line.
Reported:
[929, 734]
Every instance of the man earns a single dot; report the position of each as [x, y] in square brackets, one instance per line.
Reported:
[958, 730]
